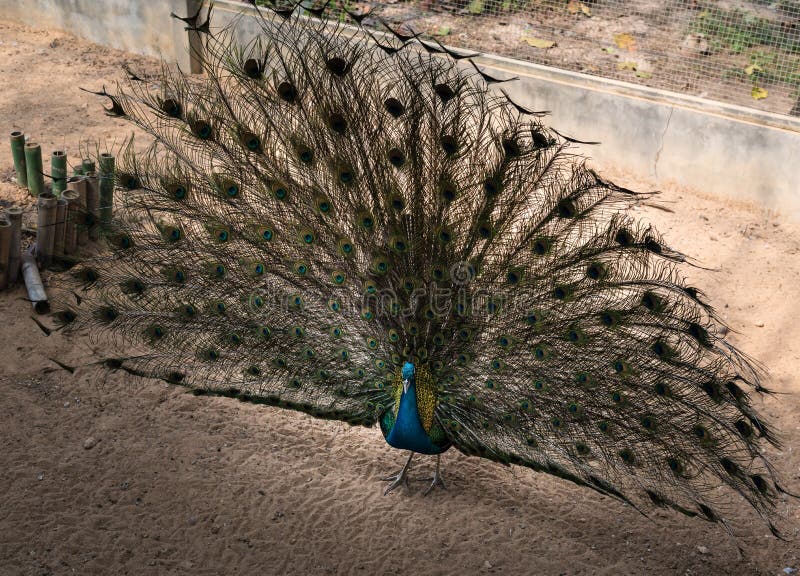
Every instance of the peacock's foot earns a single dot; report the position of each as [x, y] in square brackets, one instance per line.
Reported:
[437, 477]
[400, 478]
[434, 482]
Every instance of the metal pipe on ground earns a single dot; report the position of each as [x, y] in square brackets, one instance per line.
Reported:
[33, 284]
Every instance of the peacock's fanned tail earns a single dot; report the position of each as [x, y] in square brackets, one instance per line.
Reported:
[319, 208]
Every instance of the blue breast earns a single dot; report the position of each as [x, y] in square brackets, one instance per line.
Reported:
[407, 432]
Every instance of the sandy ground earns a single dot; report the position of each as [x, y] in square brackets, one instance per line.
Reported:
[176, 484]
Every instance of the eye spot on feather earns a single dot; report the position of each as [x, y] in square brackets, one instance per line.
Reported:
[511, 148]
[171, 108]
[337, 123]
[541, 246]
[624, 238]
[445, 92]
[252, 68]
[394, 107]
[627, 456]
[201, 129]
[675, 466]
[449, 144]
[566, 209]
[701, 433]
[597, 271]
[493, 185]
[652, 245]
[305, 154]
[287, 91]
[265, 332]
[337, 66]
[396, 157]
[299, 332]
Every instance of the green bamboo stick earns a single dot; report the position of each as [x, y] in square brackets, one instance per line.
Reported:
[58, 171]
[18, 152]
[33, 166]
[87, 165]
[106, 186]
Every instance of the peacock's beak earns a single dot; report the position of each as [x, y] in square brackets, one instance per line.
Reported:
[406, 384]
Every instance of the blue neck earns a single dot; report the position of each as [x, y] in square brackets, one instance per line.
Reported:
[407, 432]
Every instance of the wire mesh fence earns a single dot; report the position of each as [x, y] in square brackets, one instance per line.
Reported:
[745, 52]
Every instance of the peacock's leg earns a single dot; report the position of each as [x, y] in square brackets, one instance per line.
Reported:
[399, 478]
[437, 478]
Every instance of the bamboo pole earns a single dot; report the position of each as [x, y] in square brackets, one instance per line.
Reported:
[15, 217]
[18, 152]
[70, 229]
[5, 252]
[78, 183]
[33, 166]
[33, 284]
[92, 204]
[106, 189]
[61, 228]
[87, 165]
[58, 171]
[46, 228]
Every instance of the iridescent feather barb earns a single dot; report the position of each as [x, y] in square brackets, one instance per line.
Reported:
[346, 228]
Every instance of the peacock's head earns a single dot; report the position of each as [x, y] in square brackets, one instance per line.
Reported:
[408, 375]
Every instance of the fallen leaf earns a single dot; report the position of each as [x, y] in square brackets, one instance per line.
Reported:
[625, 42]
[609, 49]
[626, 65]
[759, 93]
[643, 74]
[575, 7]
[443, 31]
[752, 68]
[475, 7]
[538, 42]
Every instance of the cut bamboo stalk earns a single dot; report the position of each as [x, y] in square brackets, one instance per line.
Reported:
[87, 166]
[61, 228]
[33, 284]
[46, 228]
[92, 204]
[18, 152]
[5, 252]
[15, 217]
[106, 185]
[58, 171]
[70, 229]
[33, 167]
[78, 183]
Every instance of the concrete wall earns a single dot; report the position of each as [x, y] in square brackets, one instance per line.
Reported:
[668, 138]
[139, 26]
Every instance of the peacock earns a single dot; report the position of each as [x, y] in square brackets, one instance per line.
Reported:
[364, 226]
